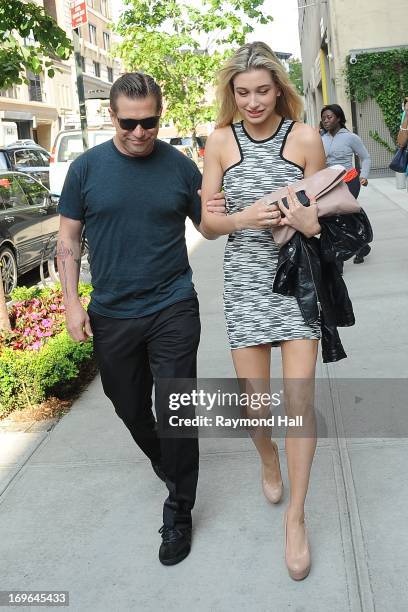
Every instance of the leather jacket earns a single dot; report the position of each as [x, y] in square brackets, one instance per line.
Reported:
[307, 270]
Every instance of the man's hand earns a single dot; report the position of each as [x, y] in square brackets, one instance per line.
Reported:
[363, 182]
[77, 322]
[217, 203]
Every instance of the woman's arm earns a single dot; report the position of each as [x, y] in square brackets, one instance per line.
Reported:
[256, 216]
[313, 150]
[364, 157]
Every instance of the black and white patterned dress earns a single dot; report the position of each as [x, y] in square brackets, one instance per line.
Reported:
[254, 313]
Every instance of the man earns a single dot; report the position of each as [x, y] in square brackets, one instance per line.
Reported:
[133, 194]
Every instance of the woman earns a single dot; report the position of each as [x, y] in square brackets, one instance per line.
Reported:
[266, 150]
[340, 146]
[402, 138]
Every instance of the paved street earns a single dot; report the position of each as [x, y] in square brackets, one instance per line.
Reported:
[80, 506]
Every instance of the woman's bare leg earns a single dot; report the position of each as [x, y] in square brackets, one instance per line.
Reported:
[299, 365]
[253, 363]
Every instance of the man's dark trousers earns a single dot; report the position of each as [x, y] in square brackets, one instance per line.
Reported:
[131, 354]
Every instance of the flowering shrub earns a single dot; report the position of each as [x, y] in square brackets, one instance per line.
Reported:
[38, 314]
[38, 358]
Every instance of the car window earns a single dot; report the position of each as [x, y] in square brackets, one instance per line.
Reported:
[36, 192]
[100, 137]
[26, 158]
[70, 147]
[3, 161]
[11, 192]
[45, 157]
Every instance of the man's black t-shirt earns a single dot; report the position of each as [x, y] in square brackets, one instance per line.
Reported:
[134, 210]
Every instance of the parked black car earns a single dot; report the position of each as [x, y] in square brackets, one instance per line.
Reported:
[28, 157]
[28, 224]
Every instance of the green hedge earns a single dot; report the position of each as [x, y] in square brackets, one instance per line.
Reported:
[29, 377]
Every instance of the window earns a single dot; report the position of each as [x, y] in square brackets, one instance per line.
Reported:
[34, 87]
[92, 33]
[45, 157]
[110, 74]
[31, 158]
[106, 41]
[3, 162]
[29, 40]
[28, 158]
[97, 69]
[37, 193]
[11, 192]
[70, 147]
[104, 8]
[12, 92]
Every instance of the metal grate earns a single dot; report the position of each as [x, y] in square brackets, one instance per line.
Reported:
[369, 118]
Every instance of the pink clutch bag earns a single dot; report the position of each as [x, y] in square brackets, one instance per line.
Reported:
[331, 192]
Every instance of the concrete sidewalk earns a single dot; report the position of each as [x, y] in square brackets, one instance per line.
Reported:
[80, 506]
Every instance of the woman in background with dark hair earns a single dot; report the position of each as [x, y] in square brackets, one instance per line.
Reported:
[340, 145]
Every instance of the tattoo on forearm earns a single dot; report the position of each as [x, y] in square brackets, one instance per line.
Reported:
[63, 253]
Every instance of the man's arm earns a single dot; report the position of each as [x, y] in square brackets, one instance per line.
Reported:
[69, 263]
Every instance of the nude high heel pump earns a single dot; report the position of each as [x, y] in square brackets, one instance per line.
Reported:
[299, 566]
[272, 492]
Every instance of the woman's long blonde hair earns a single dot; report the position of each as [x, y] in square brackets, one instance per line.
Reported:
[255, 55]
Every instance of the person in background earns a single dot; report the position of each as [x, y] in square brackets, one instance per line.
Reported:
[340, 146]
[402, 138]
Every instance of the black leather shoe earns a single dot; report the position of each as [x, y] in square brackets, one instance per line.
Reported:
[158, 470]
[358, 259]
[176, 544]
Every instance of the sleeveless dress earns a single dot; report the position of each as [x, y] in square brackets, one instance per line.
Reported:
[254, 313]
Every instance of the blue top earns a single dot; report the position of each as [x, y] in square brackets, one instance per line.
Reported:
[340, 148]
[134, 210]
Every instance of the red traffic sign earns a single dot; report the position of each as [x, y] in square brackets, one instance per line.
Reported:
[79, 14]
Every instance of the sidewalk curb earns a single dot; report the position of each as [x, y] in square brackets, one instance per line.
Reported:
[347, 498]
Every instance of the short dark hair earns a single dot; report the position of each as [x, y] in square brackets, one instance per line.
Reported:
[336, 110]
[135, 85]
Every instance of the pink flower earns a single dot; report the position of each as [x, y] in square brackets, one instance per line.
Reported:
[36, 345]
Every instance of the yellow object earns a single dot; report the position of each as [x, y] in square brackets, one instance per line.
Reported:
[324, 77]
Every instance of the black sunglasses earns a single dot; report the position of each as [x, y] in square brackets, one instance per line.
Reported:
[147, 123]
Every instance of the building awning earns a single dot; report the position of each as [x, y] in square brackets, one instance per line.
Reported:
[96, 88]
[12, 109]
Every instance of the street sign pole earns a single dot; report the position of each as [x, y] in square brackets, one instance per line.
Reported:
[81, 91]
[79, 16]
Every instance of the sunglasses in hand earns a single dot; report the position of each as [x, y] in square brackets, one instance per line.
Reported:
[147, 123]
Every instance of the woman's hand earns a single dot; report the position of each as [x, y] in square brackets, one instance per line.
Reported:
[301, 218]
[258, 216]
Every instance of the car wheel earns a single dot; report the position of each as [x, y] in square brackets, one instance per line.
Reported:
[8, 267]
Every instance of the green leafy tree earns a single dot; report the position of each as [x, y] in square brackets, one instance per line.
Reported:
[19, 20]
[182, 46]
[296, 74]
